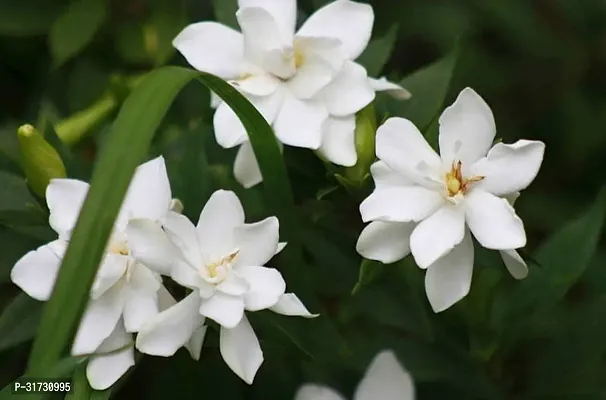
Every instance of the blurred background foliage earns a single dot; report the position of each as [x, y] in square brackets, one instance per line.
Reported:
[66, 66]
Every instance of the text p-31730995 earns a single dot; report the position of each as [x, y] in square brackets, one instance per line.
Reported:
[34, 385]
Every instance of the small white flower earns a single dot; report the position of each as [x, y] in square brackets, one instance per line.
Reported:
[125, 292]
[385, 379]
[305, 83]
[222, 261]
[429, 204]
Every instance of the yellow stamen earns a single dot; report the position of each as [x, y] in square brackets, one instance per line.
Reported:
[212, 267]
[455, 182]
[299, 59]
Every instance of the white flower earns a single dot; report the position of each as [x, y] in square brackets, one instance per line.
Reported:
[385, 379]
[427, 204]
[125, 292]
[221, 260]
[306, 84]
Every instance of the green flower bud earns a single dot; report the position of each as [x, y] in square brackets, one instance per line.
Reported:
[366, 129]
[39, 160]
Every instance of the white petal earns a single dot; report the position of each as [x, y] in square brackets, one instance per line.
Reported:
[241, 351]
[351, 22]
[284, 13]
[221, 214]
[317, 392]
[184, 236]
[215, 100]
[387, 242]
[299, 122]
[264, 45]
[385, 177]
[266, 287]
[35, 273]
[104, 370]
[111, 270]
[395, 90]
[139, 307]
[514, 263]
[509, 168]
[437, 235]
[150, 245]
[348, 92]
[402, 203]
[448, 279]
[320, 60]
[289, 304]
[385, 379]
[234, 285]
[229, 131]
[149, 193]
[339, 141]
[403, 148]
[260, 84]
[467, 129]
[64, 198]
[212, 47]
[257, 242]
[98, 321]
[246, 168]
[171, 329]
[493, 221]
[224, 309]
[194, 346]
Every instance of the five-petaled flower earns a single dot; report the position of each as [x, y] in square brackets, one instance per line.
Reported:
[429, 204]
[385, 379]
[305, 83]
[125, 292]
[222, 261]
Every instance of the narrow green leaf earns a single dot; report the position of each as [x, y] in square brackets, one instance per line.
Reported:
[378, 52]
[225, 12]
[80, 389]
[566, 255]
[124, 149]
[75, 28]
[19, 321]
[563, 257]
[429, 87]
[369, 271]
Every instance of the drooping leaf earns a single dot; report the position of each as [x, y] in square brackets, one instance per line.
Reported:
[369, 271]
[75, 29]
[124, 149]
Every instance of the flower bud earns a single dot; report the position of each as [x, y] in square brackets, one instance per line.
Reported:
[366, 129]
[39, 160]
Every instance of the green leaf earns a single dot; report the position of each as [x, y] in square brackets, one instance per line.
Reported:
[80, 389]
[124, 149]
[19, 321]
[13, 245]
[564, 257]
[369, 271]
[378, 51]
[225, 12]
[429, 87]
[75, 29]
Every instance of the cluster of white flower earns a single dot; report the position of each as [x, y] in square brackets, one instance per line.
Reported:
[220, 260]
[306, 84]
[308, 87]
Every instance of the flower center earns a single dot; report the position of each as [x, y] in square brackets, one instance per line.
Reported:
[216, 271]
[455, 183]
[299, 58]
[119, 247]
